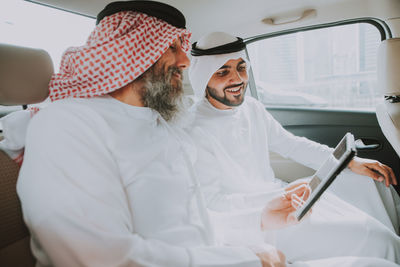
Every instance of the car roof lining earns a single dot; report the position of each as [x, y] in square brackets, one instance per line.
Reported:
[249, 23]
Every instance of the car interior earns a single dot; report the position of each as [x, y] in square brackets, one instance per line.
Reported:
[371, 111]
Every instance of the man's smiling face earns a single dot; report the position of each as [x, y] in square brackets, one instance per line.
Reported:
[227, 86]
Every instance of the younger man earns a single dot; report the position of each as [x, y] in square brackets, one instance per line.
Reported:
[234, 134]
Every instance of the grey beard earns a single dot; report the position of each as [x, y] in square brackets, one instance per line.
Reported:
[160, 95]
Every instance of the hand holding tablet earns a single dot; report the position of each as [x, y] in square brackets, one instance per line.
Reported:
[299, 197]
[280, 211]
[336, 162]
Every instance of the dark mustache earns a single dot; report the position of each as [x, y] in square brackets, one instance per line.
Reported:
[175, 70]
[234, 85]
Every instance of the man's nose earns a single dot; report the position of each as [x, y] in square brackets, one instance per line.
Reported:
[182, 60]
[236, 77]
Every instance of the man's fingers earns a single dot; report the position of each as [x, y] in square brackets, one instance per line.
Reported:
[374, 175]
[392, 175]
[297, 202]
[298, 195]
[286, 210]
[272, 258]
[382, 172]
[374, 169]
[279, 203]
[294, 184]
[302, 191]
[307, 193]
[298, 190]
[385, 173]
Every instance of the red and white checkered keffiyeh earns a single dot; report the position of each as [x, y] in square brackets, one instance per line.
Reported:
[121, 48]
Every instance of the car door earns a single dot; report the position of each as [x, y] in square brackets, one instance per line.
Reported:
[321, 83]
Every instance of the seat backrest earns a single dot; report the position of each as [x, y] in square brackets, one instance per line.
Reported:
[388, 112]
[24, 77]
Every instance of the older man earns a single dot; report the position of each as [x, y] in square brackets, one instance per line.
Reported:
[234, 134]
[105, 181]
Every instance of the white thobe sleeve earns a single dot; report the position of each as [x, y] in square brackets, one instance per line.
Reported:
[299, 149]
[76, 207]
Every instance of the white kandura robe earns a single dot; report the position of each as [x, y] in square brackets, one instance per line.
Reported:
[104, 183]
[233, 167]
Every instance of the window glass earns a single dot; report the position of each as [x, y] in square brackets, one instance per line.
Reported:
[32, 25]
[328, 68]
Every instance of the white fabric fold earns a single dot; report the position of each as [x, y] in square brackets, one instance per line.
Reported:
[113, 189]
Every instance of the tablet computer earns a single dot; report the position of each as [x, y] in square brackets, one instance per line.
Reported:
[320, 181]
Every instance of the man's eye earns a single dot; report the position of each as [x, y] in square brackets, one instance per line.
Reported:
[222, 73]
[242, 68]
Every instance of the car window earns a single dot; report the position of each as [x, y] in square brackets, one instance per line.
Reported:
[32, 25]
[331, 67]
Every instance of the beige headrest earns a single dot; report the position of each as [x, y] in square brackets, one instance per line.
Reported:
[389, 66]
[24, 75]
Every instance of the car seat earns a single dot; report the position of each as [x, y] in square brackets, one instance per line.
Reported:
[388, 112]
[24, 77]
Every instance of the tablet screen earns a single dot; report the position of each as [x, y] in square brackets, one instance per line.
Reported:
[329, 164]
